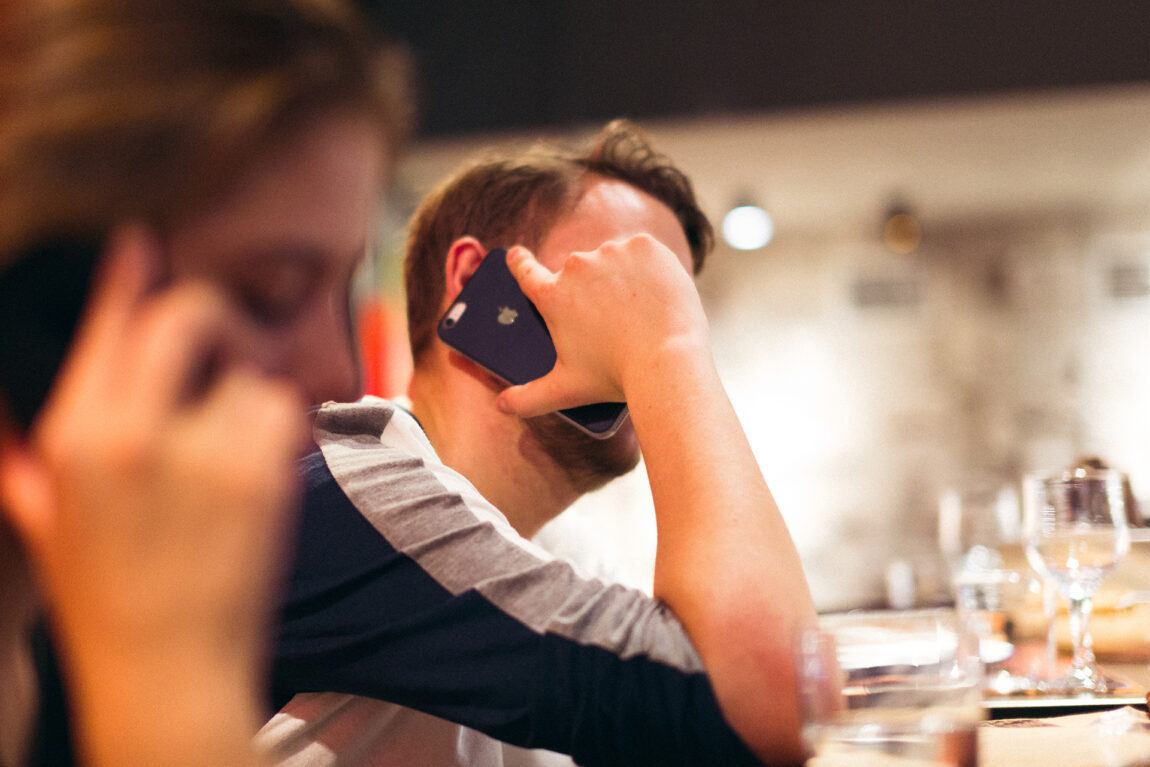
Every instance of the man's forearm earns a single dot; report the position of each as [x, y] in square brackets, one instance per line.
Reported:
[725, 561]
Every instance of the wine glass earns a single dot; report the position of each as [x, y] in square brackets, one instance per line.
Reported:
[1075, 533]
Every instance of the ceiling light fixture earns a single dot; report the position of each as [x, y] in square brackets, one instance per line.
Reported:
[901, 230]
[747, 227]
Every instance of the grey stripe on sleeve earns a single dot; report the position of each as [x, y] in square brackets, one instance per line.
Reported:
[388, 469]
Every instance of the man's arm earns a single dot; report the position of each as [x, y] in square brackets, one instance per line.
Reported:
[628, 325]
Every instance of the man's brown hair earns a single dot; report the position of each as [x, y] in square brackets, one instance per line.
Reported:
[514, 200]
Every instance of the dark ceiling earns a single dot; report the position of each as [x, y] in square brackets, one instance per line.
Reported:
[499, 64]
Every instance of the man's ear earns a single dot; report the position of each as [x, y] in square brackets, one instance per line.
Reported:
[463, 259]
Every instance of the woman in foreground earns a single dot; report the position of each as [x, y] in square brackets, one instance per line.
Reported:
[188, 186]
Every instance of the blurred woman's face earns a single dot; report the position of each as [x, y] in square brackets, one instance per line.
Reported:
[284, 245]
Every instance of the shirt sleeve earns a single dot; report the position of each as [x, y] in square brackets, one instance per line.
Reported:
[409, 587]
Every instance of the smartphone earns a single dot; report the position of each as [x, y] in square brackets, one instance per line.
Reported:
[495, 326]
[42, 296]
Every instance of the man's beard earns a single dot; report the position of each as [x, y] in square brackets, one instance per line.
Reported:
[589, 463]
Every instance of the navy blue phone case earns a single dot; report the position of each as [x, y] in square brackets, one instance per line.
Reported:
[494, 325]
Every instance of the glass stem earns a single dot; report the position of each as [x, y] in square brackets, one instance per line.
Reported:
[1050, 613]
[1079, 615]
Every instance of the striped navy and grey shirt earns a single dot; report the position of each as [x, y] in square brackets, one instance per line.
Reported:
[409, 587]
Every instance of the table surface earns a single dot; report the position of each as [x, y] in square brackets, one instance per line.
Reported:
[1134, 680]
[1112, 738]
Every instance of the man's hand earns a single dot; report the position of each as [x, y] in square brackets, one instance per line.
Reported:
[615, 313]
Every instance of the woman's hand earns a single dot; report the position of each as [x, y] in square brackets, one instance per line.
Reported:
[151, 496]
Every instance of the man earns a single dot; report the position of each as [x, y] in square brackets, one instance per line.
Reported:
[410, 586]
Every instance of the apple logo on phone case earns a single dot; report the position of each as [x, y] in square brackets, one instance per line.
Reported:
[507, 315]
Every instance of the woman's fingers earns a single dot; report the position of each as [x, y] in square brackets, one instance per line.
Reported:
[127, 273]
[29, 470]
[157, 392]
[184, 340]
[186, 488]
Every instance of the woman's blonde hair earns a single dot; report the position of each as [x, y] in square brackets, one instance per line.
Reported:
[150, 109]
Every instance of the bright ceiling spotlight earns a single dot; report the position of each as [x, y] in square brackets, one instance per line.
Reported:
[747, 227]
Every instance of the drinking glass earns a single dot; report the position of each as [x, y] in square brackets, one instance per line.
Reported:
[1075, 533]
[890, 684]
[980, 539]
[975, 528]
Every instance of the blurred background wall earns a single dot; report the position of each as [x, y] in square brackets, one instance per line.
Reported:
[1006, 329]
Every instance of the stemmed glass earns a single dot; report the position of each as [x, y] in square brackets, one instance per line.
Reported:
[1075, 533]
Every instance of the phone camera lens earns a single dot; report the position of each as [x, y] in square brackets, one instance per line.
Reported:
[454, 314]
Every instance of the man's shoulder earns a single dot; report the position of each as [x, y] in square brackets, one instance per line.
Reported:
[373, 418]
[368, 429]
[371, 440]
[375, 454]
